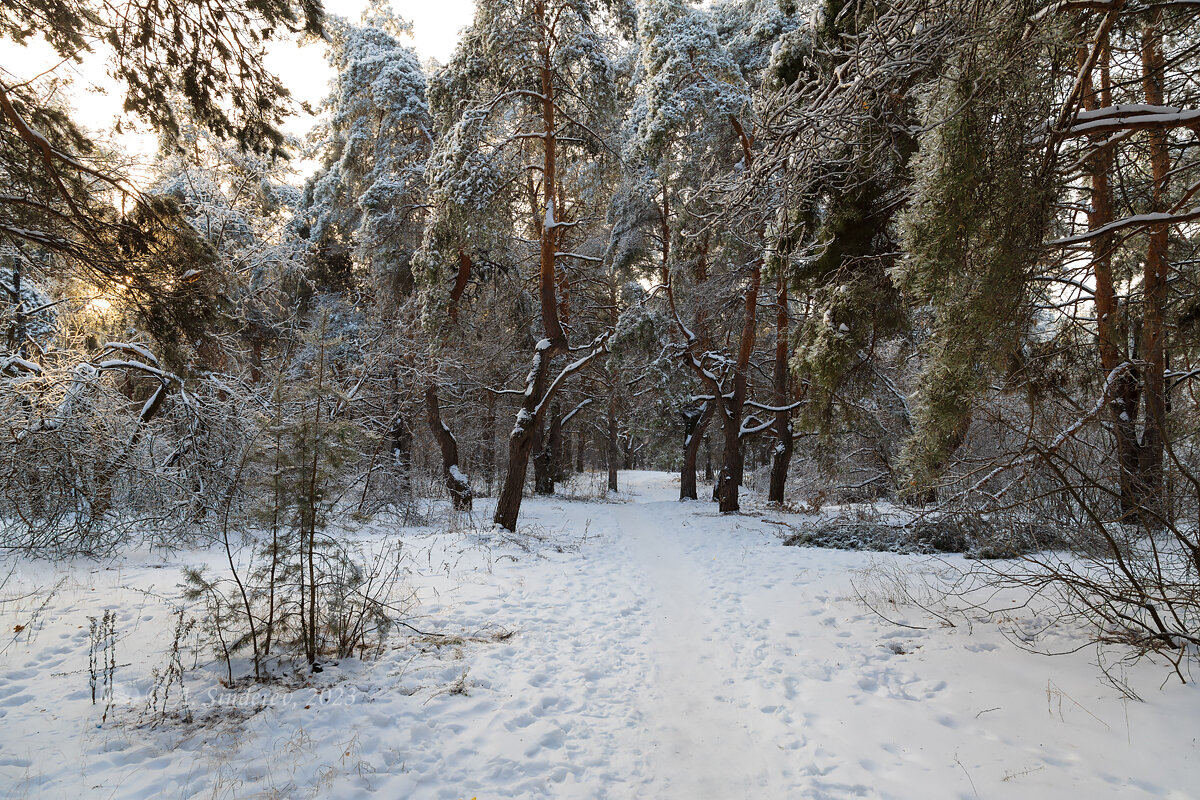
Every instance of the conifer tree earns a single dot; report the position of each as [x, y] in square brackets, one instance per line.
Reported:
[681, 132]
[523, 102]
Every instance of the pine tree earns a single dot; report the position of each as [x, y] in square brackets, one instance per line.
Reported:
[522, 104]
[366, 205]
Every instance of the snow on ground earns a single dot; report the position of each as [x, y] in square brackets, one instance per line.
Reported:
[659, 650]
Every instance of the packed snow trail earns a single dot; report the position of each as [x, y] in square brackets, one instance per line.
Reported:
[659, 650]
[704, 743]
[720, 713]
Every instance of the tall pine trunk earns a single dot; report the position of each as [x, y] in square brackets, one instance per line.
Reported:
[1111, 328]
[521, 440]
[1154, 280]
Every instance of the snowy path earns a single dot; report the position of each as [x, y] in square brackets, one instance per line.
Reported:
[669, 653]
[706, 738]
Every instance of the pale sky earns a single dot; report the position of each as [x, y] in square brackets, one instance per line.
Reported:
[436, 25]
[303, 70]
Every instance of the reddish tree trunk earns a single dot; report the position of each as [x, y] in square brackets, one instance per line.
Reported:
[460, 283]
[1154, 279]
[521, 440]
[1111, 331]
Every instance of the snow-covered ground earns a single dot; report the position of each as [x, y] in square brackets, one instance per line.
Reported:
[658, 650]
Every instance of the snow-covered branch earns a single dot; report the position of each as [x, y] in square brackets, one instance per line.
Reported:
[1134, 221]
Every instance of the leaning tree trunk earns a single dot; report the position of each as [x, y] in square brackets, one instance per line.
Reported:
[695, 422]
[521, 440]
[782, 454]
[456, 482]
[102, 493]
[508, 505]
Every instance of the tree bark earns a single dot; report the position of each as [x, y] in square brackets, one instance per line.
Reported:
[1111, 330]
[521, 440]
[611, 450]
[555, 445]
[731, 407]
[567, 457]
[489, 443]
[782, 453]
[400, 440]
[461, 279]
[695, 424]
[543, 475]
[1154, 280]
[456, 482]
[738, 466]
[520, 443]
[548, 273]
